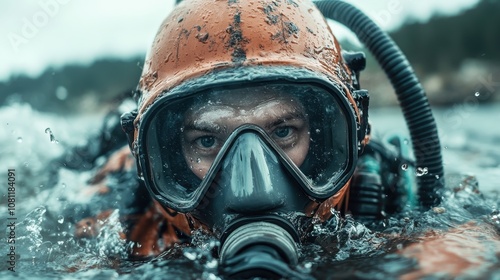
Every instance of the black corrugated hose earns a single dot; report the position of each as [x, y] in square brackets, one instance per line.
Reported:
[411, 96]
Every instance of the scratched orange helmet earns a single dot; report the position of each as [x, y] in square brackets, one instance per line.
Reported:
[246, 104]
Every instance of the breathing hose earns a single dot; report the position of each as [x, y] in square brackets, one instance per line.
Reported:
[411, 95]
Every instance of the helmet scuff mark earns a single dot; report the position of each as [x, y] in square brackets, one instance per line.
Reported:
[236, 40]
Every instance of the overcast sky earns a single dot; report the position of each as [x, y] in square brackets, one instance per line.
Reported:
[37, 34]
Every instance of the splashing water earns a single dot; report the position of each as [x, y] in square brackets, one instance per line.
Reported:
[344, 248]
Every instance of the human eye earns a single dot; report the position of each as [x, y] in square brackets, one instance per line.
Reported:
[288, 130]
[285, 136]
[282, 132]
[201, 144]
[203, 138]
[205, 142]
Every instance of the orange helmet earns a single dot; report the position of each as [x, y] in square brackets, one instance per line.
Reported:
[202, 36]
[203, 42]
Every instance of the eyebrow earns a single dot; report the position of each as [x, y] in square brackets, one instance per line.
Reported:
[216, 128]
[286, 118]
[205, 127]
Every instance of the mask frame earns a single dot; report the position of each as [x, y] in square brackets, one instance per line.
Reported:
[237, 76]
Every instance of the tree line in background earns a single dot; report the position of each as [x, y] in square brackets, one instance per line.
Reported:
[75, 88]
[455, 57]
[444, 42]
[438, 46]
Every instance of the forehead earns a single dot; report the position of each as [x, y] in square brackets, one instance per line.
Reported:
[249, 98]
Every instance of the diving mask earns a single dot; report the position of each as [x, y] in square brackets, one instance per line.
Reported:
[185, 139]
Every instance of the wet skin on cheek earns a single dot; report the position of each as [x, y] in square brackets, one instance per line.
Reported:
[207, 127]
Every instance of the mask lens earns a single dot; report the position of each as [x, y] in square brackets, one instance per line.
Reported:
[184, 138]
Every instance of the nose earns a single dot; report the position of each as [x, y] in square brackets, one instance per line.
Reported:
[253, 177]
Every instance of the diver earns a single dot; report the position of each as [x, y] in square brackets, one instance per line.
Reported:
[251, 125]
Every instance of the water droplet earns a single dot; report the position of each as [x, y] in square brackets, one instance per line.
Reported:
[477, 94]
[318, 130]
[406, 142]
[26, 164]
[190, 255]
[404, 166]
[41, 186]
[198, 160]
[19, 139]
[422, 171]
[212, 264]
[439, 210]
[51, 135]
[60, 242]
[437, 176]
[60, 219]
[61, 93]
[63, 185]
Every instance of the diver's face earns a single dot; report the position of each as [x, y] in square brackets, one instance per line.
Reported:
[207, 126]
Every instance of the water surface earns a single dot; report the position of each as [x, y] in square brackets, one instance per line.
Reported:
[465, 226]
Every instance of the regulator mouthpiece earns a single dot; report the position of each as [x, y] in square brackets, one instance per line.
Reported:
[259, 249]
